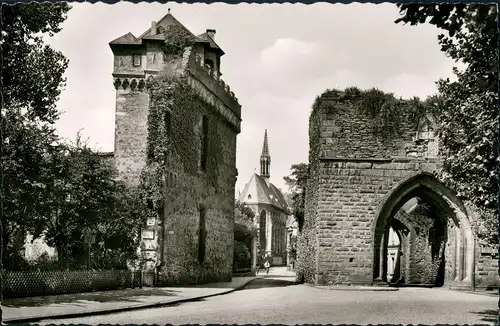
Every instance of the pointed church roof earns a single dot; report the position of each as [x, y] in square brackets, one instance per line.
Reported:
[164, 22]
[258, 191]
[265, 146]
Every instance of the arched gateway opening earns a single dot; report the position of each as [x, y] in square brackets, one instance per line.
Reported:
[434, 234]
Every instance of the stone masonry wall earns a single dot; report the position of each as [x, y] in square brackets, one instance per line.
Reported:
[307, 245]
[191, 189]
[181, 221]
[131, 133]
[349, 195]
[172, 243]
[351, 171]
[487, 267]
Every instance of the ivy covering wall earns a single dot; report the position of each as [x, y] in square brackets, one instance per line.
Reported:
[175, 184]
[306, 238]
[388, 120]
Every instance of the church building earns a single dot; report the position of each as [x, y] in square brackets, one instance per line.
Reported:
[271, 211]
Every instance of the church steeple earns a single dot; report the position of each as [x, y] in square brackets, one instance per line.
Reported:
[265, 159]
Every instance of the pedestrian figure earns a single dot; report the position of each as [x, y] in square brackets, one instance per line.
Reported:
[267, 265]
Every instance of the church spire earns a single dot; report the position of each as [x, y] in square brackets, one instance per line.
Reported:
[265, 158]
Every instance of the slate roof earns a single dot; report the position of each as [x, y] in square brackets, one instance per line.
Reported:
[204, 38]
[168, 19]
[128, 38]
[262, 192]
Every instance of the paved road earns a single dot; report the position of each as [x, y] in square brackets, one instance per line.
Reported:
[279, 300]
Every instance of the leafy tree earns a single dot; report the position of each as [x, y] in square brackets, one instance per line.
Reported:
[117, 237]
[297, 182]
[244, 220]
[51, 187]
[83, 194]
[177, 40]
[244, 229]
[32, 79]
[469, 114]
[32, 72]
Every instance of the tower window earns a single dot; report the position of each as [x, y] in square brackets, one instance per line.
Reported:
[137, 60]
[209, 63]
[204, 143]
[202, 237]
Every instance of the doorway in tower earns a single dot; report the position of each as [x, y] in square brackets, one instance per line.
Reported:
[423, 237]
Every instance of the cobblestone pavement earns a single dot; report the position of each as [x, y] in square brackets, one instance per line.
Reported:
[278, 300]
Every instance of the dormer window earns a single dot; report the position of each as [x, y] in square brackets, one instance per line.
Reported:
[160, 30]
[137, 60]
[209, 63]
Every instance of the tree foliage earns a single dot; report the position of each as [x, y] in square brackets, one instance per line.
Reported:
[297, 182]
[468, 118]
[244, 220]
[82, 194]
[50, 187]
[32, 78]
[32, 72]
[177, 40]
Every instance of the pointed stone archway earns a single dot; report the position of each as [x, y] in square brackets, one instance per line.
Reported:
[459, 241]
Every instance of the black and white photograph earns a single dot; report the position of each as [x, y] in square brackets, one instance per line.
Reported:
[249, 163]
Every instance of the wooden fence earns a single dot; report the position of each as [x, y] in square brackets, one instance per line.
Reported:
[19, 284]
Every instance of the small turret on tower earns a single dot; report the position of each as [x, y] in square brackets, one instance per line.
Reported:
[265, 159]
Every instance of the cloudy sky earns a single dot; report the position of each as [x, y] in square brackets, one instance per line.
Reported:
[279, 57]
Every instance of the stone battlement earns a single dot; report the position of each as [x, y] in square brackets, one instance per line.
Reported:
[133, 84]
[212, 82]
[347, 132]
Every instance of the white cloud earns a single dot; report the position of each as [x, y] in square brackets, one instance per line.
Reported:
[288, 54]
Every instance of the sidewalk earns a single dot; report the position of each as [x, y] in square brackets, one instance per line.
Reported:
[280, 271]
[354, 288]
[26, 310]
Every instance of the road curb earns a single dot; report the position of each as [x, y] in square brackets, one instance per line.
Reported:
[35, 319]
[353, 288]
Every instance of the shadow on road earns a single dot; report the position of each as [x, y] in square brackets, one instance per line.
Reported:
[270, 282]
[490, 316]
[128, 295]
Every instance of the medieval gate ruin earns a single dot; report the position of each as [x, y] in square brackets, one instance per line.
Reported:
[363, 184]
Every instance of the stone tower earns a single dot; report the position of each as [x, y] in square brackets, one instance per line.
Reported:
[265, 159]
[192, 240]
